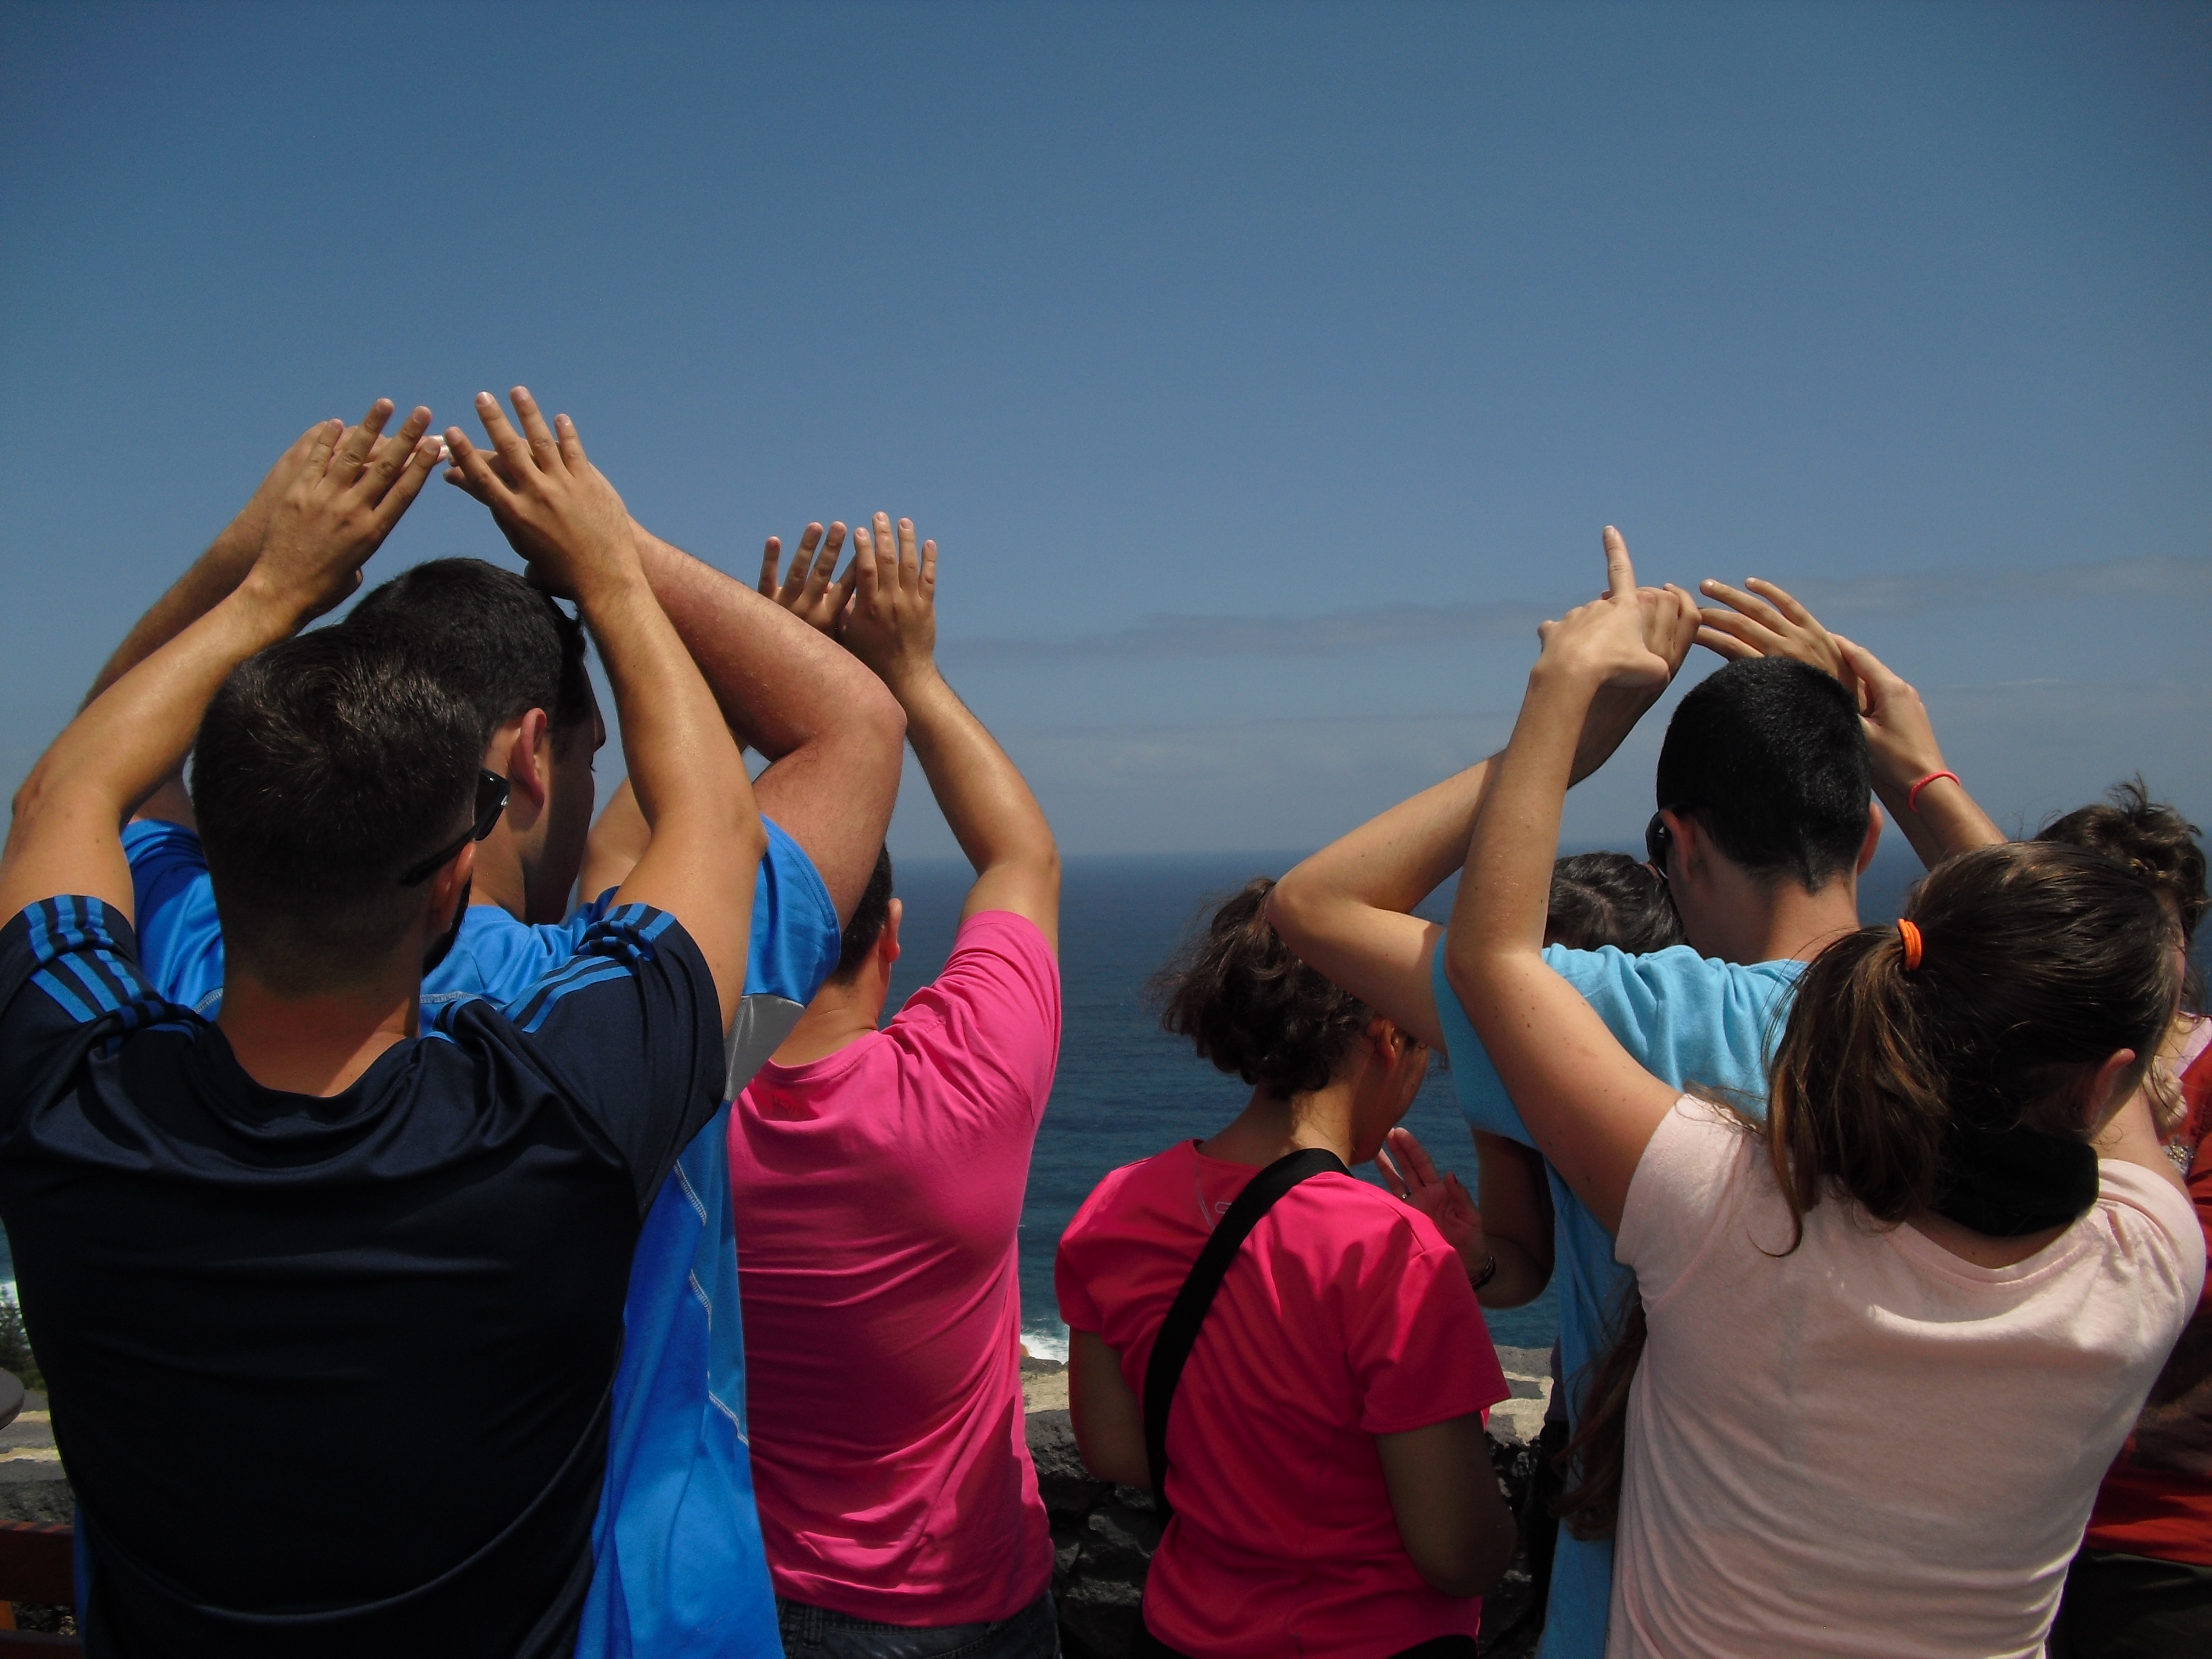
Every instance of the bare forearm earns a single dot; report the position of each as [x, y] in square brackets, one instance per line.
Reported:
[65, 836]
[214, 576]
[779, 684]
[833, 736]
[1520, 1278]
[986, 801]
[681, 759]
[1504, 894]
[1943, 821]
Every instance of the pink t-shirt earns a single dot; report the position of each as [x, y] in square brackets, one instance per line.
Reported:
[1868, 1446]
[878, 1193]
[1344, 1315]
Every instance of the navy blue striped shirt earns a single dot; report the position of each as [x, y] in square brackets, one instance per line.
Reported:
[331, 1375]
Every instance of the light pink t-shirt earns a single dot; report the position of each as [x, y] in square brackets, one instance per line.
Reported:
[1868, 1446]
[1343, 1316]
[878, 1193]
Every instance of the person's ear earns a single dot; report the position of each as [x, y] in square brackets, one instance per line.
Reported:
[1873, 837]
[449, 888]
[887, 942]
[530, 758]
[2114, 1080]
[1688, 839]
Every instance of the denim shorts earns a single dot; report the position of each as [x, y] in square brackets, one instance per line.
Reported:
[811, 1633]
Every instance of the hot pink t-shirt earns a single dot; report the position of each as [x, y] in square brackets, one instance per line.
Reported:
[878, 1195]
[1344, 1315]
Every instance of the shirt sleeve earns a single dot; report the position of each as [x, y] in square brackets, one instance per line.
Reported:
[1679, 1194]
[796, 936]
[989, 1023]
[1685, 1019]
[2161, 1231]
[70, 980]
[631, 1028]
[180, 936]
[1417, 1347]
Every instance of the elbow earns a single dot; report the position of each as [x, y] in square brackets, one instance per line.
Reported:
[1291, 906]
[1476, 1569]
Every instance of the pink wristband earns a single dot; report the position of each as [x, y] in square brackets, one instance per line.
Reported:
[1913, 795]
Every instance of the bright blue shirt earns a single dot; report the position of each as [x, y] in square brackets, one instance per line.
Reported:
[1687, 1019]
[678, 1569]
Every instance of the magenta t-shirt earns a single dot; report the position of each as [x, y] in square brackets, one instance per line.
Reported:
[1344, 1315]
[878, 1193]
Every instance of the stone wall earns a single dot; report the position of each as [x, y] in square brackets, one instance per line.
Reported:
[1103, 1535]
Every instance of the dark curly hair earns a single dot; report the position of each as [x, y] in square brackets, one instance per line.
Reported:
[1610, 898]
[1251, 1007]
[2154, 841]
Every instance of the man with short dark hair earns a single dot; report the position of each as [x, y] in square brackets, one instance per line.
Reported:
[674, 1578]
[1766, 822]
[251, 1247]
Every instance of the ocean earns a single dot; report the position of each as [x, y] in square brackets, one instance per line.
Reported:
[1125, 1089]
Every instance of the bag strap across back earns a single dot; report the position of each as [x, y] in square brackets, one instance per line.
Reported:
[1179, 1330]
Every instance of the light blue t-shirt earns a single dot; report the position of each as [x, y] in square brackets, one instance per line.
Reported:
[1687, 1019]
[679, 1570]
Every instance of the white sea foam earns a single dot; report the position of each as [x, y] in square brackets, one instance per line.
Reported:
[1045, 1340]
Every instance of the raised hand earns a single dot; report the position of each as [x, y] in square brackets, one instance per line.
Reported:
[555, 508]
[347, 491]
[1411, 1175]
[1765, 622]
[806, 590]
[1901, 746]
[892, 623]
[1606, 638]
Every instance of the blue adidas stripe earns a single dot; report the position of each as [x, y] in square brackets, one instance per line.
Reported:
[598, 974]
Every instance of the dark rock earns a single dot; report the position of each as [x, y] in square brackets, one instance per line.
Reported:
[1063, 1483]
[1032, 1364]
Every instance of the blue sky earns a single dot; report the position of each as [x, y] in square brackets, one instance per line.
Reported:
[1262, 372]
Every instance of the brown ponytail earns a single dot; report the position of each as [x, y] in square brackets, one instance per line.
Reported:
[2039, 962]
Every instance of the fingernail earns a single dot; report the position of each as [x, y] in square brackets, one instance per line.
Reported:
[486, 397]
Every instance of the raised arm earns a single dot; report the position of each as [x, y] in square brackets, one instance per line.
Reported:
[832, 735]
[1923, 798]
[1346, 910]
[892, 628]
[337, 510]
[1591, 1107]
[210, 579]
[685, 767]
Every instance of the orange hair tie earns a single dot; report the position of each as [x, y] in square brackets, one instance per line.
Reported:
[1910, 935]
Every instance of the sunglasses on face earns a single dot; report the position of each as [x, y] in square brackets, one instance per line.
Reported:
[491, 801]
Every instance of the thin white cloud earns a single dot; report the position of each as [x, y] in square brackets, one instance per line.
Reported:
[1165, 637]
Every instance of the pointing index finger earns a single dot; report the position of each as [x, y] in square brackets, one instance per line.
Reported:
[1621, 574]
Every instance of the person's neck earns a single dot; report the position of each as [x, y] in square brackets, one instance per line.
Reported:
[319, 1045]
[839, 1015]
[1783, 922]
[499, 876]
[1271, 1127]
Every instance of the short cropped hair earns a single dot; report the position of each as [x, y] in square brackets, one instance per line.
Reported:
[489, 636]
[1610, 898]
[1769, 757]
[1249, 1006]
[869, 917]
[325, 765]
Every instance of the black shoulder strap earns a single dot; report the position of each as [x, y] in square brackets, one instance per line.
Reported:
[1179, 1331]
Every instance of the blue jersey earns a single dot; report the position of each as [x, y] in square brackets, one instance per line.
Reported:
[1687, 1019]
[679, 1567]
